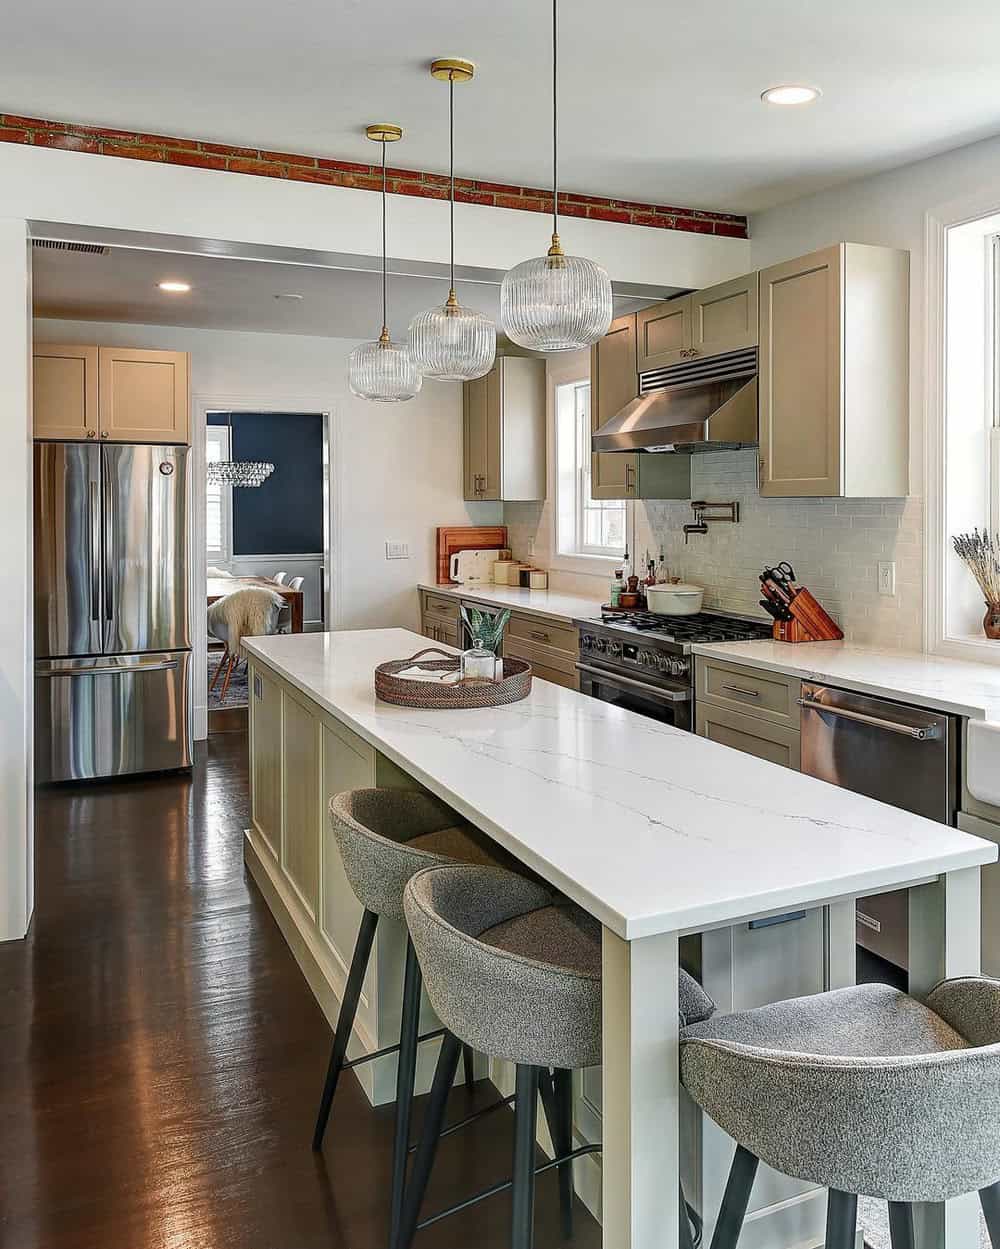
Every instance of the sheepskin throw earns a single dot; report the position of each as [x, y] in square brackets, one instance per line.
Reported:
[244, 613]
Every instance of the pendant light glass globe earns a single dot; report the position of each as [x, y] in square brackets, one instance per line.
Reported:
[556, 302]
[450, 343]
[383, 371]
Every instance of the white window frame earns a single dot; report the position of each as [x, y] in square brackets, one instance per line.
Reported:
[981, 211]
[219, 435]
[573, 405]
[569, 370]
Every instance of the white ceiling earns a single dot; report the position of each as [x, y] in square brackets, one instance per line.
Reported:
[659, 98]
[231, 294]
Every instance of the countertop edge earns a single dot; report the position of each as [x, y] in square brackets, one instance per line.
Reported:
[588, 607]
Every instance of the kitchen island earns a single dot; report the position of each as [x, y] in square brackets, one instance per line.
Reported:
[658, 833]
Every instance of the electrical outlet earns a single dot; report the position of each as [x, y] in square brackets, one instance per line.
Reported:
[531, 548]
[397, 550]
[887, 578]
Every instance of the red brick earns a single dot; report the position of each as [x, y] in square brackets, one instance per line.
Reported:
[224, 149]
[498, 188]
[417, 175]
[345, 166]
[262, 168]
[465, 196]
[68, 142]
[525, 204]
[571, 197]
[164, 141]
[31, 123]
[359, 181]
[648, 219]
[418, 189]
[299, 173]
[197, 160]
[730, 230]
[608, 214]
[571, 210]
[134, 151]
[9, 135]
[692, 225]
[289, 158]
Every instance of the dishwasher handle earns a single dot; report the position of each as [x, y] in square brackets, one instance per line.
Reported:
[919, 732]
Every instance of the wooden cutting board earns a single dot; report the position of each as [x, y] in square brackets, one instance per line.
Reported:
[453, 538]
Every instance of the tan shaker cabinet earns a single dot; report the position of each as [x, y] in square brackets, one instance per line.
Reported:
[724, 317]
[65, 392]
[834, 412]
[144, 395]
[505, 431]
[663, 334]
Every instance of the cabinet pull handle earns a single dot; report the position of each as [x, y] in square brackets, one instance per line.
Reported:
[868, 921]
[104, 433]
[539, 636]
[741, 689]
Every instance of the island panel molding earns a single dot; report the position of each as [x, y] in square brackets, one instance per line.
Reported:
[303, 167]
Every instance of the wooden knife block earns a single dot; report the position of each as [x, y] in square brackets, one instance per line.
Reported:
[809, 623]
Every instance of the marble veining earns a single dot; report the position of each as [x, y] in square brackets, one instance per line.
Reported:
[956, 686]
[650, 828]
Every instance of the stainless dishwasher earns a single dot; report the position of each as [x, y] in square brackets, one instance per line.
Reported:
[905, 756]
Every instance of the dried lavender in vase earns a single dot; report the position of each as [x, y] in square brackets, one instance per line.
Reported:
[980, 552]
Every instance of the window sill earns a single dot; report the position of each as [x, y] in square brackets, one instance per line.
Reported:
[974, 648]
[588, 565]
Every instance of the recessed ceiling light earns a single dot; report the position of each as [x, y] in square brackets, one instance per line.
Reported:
[175, 288]
[288, 295]
[790, 93]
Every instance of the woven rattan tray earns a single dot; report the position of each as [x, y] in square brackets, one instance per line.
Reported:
[390, 688]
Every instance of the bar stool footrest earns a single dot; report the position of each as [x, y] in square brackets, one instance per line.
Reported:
[389, 1049]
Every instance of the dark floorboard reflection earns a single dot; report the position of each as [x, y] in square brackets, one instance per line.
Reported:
[161, 1055]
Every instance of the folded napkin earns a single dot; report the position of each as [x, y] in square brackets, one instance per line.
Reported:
[416, 673]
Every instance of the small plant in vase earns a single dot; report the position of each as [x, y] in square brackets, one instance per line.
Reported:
[980, 552]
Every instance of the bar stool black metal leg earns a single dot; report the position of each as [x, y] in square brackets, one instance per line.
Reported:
[345, 1021]
[469, 1066]
[525, 1120]
[735, 1200]
[901, 1225]
[444, 1077]
[685, 1238]
[989, 1199]
[557, 1102]
[406, 1072]
[841, 1219]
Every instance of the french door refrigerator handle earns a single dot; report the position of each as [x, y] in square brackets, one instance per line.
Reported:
[95, 551]
[109, 551]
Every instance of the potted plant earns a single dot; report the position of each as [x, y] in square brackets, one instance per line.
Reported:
[980, 552]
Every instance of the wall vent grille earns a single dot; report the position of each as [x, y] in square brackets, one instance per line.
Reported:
[62, 245]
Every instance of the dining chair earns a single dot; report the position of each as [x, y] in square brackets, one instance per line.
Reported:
[296, 583]
[244, 613]
[281, 577]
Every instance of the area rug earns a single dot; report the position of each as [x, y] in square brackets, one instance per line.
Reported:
[237, 695]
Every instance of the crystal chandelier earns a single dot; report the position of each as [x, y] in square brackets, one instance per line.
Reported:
[244, 473]
[449, 342]
[556, 302]
[383, 371]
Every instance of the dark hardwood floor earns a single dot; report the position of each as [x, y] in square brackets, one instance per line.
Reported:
[161, 1055]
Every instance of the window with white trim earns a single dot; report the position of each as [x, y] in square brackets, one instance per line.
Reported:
[993, 434]
[218, 499]
[585, 526]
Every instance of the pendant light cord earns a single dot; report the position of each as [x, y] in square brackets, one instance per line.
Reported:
[451, 173]
[385, 317]
[555, 120]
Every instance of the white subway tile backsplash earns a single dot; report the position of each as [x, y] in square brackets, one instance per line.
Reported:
[834, 545]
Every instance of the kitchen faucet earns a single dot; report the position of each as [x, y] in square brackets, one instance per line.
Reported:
[701, 520]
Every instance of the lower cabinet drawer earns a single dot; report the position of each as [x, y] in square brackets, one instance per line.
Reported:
[439, 630]
[541, 656]
[774, 742]
[541, 632]
[769, 695]
[439, 607]
[568, 680]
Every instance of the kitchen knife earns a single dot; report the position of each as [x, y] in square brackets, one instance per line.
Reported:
[771, 610]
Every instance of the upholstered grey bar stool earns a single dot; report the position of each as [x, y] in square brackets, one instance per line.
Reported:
[385, 835]
[515, 972]
[863, 1091]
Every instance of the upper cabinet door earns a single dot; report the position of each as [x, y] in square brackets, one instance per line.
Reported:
[613, 384]
[724, 317]
[493, 466]
[801, 389]
[474, 403]
[663, 334]
[144, 395]
[65, 392]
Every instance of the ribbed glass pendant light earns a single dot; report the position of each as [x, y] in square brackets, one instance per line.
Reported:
[383, 370]
[556, 302]
[452, 343]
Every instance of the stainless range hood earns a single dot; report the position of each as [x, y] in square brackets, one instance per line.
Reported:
[701, 405]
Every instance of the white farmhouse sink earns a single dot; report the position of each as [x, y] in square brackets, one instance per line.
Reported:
[983, 764]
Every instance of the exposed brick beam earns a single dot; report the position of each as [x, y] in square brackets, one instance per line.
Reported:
[135, 145]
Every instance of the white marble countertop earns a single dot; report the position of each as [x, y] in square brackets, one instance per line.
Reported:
[649, 828]
[554, 604]
[951, 685]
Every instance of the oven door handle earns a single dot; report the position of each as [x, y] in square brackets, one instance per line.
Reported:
[651, 691]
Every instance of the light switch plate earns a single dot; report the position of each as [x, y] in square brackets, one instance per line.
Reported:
[397, 550]
[886, 578]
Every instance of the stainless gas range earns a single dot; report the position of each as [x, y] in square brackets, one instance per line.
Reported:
[642, 661]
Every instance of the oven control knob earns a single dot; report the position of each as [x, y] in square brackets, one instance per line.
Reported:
[586, 641]
[647, 659]
[614, 649]
[600, 643]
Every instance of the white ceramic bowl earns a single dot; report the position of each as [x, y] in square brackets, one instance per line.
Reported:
[675, 600]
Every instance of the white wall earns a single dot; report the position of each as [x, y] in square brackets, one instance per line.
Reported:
[15, 559]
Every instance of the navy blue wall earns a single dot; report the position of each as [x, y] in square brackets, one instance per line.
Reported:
[284, 516]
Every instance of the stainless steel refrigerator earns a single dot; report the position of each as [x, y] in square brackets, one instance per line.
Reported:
[112, 640]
